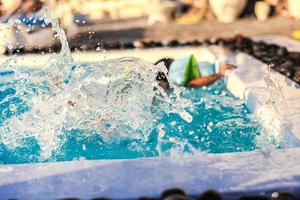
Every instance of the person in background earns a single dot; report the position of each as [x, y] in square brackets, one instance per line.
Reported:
[182, 7]
[9, 8]
[25, 26]
[24, 10]
[190, 11]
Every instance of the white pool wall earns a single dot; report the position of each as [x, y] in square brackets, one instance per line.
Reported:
[247, 82]
[266, 170]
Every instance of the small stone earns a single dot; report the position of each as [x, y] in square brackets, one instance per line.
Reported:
[159, 44]
[175, 193]
[83, 47]
[248, 50]
[276, 62]
[214, 40]
[177, 197]
[287, 70]
[296, 77]
[146, 44]
[195, 43]
[282, 196]
[128, 45]
[186, 43]
[243, 44]
[263, 46]
[173, 43]
[139, 44]
[295, 56]
[259, 54]
[272, 49]
[220, 42]
[151, 44]
[256, 47]
[282, 51]
[114, 45]
[146, 198]
[207, 42]
[210, 195]
[254, 198]
[231, 47]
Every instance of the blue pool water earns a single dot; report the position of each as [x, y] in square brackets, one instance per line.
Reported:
[220, 124]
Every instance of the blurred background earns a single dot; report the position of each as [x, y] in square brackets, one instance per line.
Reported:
[99, 24]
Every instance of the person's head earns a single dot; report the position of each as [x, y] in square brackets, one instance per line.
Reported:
[161, 76]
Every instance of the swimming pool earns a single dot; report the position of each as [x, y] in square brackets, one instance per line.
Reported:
[221, 122]
[255, 171]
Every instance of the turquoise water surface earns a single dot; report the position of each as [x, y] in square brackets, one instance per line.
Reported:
[220, 124]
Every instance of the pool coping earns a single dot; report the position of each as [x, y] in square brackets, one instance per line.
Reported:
[263, 170]
[127, 179]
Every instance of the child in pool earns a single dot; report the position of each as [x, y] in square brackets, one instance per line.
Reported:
[198, 82]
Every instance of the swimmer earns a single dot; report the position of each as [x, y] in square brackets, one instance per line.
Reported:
[198, 82]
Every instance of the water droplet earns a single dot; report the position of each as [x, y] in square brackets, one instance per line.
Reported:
[173, 123]
[18, 21]
[191, 132]
[12, 108]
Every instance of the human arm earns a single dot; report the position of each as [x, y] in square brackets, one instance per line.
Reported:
[203, 81]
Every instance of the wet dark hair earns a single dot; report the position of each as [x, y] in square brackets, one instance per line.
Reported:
[167, 62]
[161, 76]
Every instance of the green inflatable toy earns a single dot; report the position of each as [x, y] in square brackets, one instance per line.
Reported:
[184, 70]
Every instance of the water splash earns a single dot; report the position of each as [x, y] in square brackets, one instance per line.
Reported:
[58, 65]
[273, 114]
[113, 99]
[64, 56]
[104, 97]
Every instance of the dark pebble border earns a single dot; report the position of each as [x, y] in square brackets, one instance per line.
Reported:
[277, 57]
[179, 194]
